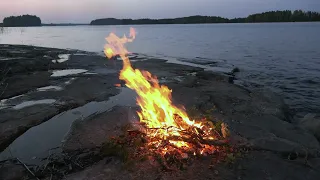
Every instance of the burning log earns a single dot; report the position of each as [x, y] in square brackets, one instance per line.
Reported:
[200, 142]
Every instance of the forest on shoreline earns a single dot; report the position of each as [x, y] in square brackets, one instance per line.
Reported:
[271, 16]
[21, 21]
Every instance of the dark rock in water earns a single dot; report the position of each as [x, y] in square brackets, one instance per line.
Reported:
[235, 70]
[208, 75]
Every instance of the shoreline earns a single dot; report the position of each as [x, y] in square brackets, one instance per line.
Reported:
[67, 25]
[257, 119]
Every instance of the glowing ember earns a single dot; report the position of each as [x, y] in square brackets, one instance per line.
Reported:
[168, 128]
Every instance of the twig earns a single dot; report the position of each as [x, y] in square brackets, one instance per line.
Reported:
[77, 164]
[10, 152]
[45, 167]
[4, 90]
[4, 78]
[26, 167]
[5, 73]
[307, 156]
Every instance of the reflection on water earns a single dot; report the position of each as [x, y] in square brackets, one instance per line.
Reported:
[32, 103]
[281, 56]
[50, 88]
[67, 72]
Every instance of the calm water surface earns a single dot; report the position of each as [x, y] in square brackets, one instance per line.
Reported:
[284, 57]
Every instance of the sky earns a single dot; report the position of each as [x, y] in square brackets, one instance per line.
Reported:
[83, 11]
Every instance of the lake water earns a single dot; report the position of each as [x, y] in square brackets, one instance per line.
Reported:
[284, 57]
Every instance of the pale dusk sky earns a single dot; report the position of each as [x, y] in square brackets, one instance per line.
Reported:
[83, 11]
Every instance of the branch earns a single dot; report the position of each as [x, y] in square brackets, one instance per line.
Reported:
[26, 167]
[4, 89]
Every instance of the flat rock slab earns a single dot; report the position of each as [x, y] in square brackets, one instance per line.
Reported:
[255, 165]
[23, 83]
[274, 142]
[111, 168]
[267, 165]
[96, 130]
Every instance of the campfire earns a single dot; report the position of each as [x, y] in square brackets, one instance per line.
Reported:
[167, 129]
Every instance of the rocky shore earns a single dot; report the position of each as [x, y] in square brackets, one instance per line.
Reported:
[59, 107]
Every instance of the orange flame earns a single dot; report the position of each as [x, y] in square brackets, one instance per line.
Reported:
[157, 111]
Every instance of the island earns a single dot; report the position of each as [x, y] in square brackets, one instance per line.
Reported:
[271, 16]
[21, 21]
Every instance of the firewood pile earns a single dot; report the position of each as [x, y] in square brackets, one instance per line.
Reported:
[139, 143]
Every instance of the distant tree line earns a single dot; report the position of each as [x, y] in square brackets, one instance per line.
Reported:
[64, 24]
[183, 20]
[21, 21]
[271, 16]
[283, 16]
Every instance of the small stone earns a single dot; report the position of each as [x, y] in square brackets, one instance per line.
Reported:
[216, 172]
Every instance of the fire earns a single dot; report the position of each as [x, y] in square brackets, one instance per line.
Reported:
[166, 124]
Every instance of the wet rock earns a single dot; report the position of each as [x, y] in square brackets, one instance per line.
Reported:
[15, 122]
[26, 59]
[20, 84]
[311, 123]
[161, 68]
[32, 70]
[273, 104]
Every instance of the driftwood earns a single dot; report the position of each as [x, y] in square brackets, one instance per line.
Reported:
[193, 135]
[26, 167]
